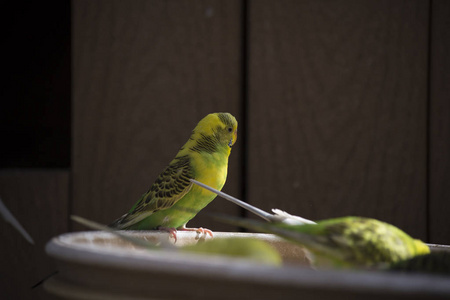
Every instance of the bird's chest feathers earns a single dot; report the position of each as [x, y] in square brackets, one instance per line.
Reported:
[212, 170]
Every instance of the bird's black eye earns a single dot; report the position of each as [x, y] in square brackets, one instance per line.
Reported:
[230, 129]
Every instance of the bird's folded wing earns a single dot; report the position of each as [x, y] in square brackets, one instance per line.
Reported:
[170, 186]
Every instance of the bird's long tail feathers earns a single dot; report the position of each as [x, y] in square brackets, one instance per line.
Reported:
[278, 217]
[117, 223]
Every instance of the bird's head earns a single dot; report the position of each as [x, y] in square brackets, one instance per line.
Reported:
[216, 129]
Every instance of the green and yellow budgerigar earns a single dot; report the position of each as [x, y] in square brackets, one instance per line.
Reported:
[348, 242]
[340, 242]
[173, 200]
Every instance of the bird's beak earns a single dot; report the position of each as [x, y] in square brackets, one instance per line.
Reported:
[233, 140]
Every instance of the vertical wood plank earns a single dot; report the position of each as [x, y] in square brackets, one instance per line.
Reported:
[337, 109]
[39, 201]
[440, 123]
[144, 74]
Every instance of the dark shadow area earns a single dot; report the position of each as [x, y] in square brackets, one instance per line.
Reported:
[35, 94]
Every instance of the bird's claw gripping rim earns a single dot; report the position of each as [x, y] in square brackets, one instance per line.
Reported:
[200, 232]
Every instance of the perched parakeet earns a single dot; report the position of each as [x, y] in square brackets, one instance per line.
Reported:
[172, 200]
[346, 242]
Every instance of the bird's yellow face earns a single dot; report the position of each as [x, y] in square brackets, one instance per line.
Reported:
[217, 129]
[226, 128]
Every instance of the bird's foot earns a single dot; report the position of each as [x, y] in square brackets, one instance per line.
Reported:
[172, 232]
[200, 231]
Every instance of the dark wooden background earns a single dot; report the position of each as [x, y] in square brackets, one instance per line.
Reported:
[343, 109]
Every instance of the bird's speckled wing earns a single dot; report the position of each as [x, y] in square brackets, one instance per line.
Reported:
[170, 186]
